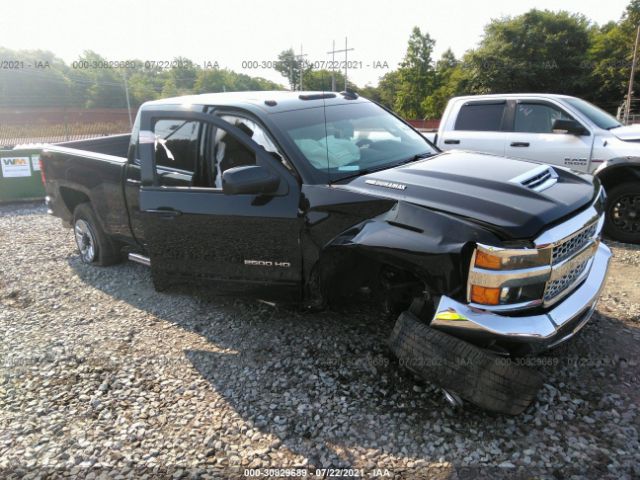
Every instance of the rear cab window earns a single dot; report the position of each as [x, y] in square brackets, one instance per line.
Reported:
[481, 116]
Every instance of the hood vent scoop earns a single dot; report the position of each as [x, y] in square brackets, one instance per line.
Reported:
[538, 179]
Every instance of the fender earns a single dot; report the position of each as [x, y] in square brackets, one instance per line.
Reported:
[414, 239]
[609, 166]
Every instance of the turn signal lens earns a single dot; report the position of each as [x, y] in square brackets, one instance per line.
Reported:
[485, 295]
[486, 260]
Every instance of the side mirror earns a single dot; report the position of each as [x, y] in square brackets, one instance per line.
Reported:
[252, 179]
[571, 127]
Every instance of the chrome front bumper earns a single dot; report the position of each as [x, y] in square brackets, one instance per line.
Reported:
[552, 327]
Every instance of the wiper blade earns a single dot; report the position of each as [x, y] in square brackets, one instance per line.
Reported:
[415, 158]
[366, 171]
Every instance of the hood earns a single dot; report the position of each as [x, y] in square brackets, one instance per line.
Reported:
[481, 187]
[627, 132]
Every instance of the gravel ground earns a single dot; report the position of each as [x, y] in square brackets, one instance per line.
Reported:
[102, 377]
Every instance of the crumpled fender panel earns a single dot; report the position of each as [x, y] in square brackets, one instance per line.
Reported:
[431, 245]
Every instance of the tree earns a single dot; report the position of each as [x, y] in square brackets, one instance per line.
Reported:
[388, 88]
[169, 89]
[142, 86]
[223, 80]
[290, 68]
[40, 80]
[610, 57]
[539, 51]
[183, 73]
[106, 89]
[450, 80]
[370, 92]
[609, 64]
[416, 75]
[321, 80]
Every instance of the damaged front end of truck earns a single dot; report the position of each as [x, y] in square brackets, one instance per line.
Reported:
[466, 296]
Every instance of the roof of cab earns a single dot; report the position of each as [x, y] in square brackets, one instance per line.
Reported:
[269, 101]
[512, 95]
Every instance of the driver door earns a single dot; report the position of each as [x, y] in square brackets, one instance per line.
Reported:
[245, 243]
[532, 137]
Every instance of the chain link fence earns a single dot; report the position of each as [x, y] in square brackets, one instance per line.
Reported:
[50, 125]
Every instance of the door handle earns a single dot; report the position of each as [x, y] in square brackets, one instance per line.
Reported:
[519, 144]
[165, 213]
[133, 181]
[452, 142]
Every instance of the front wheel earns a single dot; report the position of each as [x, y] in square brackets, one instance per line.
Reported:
[623, 213]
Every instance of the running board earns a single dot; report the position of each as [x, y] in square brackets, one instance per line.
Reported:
[136, 257]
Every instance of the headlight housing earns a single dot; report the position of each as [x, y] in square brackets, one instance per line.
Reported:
[508, 278]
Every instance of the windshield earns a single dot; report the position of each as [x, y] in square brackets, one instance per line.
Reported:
[351, 139]
[595, 114]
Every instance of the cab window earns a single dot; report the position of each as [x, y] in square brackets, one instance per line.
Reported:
[480, 117]
[537, 117]
[228, 153]
[196, 154]
[258, 135]
[176, 151]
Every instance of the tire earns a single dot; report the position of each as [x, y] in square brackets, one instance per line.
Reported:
[486, 380]
[160, 282]
[94, 246]
[622, 221]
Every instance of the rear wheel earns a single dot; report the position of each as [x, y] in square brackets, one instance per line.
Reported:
[94, 246]
[623, 213]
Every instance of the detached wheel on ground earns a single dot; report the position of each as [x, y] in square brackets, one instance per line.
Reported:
[93, 245]
[488, 381]
[623, 213]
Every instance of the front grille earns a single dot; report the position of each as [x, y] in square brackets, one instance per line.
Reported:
[556, 287]
[573, 244]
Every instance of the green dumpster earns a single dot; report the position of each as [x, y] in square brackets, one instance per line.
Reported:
[20, 175]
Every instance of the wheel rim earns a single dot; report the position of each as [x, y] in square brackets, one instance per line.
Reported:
[85, 241]
[452, 398]
[625, 213]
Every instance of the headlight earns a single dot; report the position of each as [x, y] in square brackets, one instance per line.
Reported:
[509, 277]
[493, 258]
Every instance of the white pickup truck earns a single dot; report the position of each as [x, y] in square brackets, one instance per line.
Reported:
[556, 130]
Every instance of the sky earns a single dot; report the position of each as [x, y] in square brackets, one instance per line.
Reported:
[251, 33]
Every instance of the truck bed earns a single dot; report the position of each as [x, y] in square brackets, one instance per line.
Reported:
[90, 171]
[112, 145]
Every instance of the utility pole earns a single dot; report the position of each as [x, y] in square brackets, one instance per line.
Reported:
[627, 108]
[346, 63]
[333, 67]
[300, 59]
[126, 92]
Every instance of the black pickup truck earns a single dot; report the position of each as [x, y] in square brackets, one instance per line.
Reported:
[316, 197]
